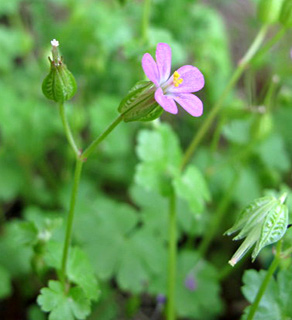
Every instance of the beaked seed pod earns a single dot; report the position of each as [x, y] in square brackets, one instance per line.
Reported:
[286, 14]
[269, 11]
[59, 85]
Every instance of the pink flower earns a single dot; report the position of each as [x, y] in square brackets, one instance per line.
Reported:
[175, 88]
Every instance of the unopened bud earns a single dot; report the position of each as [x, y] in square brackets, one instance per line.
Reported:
[139, 104]
[59, 85]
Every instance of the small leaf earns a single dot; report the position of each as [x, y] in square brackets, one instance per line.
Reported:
[269, 304]
[5, 285]
[160, 155]
[284, 280]
[192, 187]
[61, 305]
[26, 233]
[81, 272]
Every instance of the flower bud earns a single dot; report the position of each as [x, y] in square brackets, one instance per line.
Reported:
[286, 14]
[139, 104]
[269, 11]
[59, 85]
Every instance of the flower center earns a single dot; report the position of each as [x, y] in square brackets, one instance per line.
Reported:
[176, 79]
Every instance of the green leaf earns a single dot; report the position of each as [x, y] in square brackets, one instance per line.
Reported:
[268, 307]
[80, 272]
[284, 280]
[248, 186]
[71, 305]
[192, 187]
[26, 233]
[237, 131]
[5, 285]
[193, 303]
[139, 262]
[15, 257]
[273, 153]
[11, 180]
[160, 155]
[103, 229]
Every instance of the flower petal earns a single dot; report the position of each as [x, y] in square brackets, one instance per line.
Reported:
[167, 103]
[163, 59]
[150, 68]
[193, 80]
[191, 103]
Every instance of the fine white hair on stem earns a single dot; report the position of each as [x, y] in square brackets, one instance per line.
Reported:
[55, 43]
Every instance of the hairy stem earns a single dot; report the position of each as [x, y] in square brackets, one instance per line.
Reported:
[87, 152]
[69, 226]
[80, 158]
[67, 130]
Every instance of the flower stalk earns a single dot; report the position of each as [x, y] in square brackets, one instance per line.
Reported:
[69, 226]
[265, 282]
[67, 130]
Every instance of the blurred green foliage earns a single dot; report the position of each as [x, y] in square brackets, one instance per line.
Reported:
[120, 231]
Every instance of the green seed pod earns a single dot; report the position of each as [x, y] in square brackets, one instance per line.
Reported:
[286, 14]
[139, 104]
[269, 11]
[59, 85]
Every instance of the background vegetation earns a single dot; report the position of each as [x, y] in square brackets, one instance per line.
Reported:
[121, 222]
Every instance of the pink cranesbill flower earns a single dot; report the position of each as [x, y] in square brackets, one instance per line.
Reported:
[177, 88]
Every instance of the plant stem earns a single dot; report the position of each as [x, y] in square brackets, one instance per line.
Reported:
[67, 129]
[172, 253]
[235, 77]
[80, 158]
[270, 43]
[145, 20]
[101, 137]
[69, 227]
[265, 282]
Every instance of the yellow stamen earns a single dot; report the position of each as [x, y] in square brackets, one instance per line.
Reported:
[176, 79]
